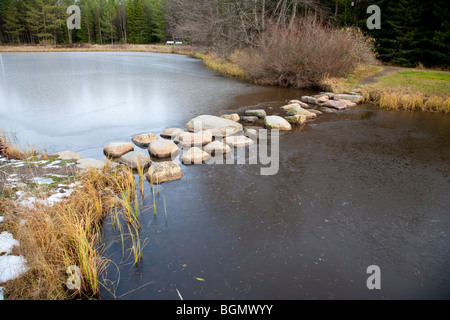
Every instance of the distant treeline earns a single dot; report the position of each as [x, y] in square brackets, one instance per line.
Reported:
[102, 21]
[412, 31]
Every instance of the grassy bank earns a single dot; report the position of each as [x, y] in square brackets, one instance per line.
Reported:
[56, 236]
[398, 89]
[411, 90]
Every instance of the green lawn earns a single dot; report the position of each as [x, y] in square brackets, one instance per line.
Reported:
[424, 82]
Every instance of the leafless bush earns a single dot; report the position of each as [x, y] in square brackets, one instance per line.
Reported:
[304, 53]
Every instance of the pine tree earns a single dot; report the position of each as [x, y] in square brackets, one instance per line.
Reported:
[44, 17]
[131, 38]
[158, 21]
[13, 20]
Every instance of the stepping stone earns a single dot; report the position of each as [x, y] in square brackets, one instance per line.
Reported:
[164, 171]
[308, 99]
[251, 131]
[217, 125]
[118, 149]
[297, 110]
[349, 103]
[90, 163]
[233, 117]
[352, 97]
[336, 104]
[135, 160]
[321, 98]
[194, 155]
[217, 148]
[249, 119]
[276, 122]
[297, 119]
[171, 133]
[260, 113]
[143, 140]
[163, 148]
[238, 141]
[67, 155]
[195, 138]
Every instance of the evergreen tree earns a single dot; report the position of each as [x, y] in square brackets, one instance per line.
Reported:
[44, 18]
[13, 20]
[137, 22]
[158, 22]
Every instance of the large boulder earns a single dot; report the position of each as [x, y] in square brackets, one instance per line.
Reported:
[238, 141]
[143, 140]
[260, 113]
[67, 155]
[135, 160]
[352, 97]
[299, 111]
[217, 125]
[163, 148]
[276, 122]
[117, 149]
[164, 171]
[197, 139]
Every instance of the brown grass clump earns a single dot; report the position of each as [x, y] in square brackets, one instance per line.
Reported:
[53, 238]
[11, 150]
[393, 99]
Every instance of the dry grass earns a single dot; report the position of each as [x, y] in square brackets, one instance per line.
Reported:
[408, 101]
[14, 151]
[411, 90]
[225, 66]
[52, 238]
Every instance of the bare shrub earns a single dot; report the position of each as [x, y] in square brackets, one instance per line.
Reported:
[304, 53]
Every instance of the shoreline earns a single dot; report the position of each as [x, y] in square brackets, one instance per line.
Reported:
[387, 87]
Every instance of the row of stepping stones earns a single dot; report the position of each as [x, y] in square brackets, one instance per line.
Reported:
[201, 141]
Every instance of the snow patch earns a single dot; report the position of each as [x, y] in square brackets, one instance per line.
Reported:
[10, 266]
